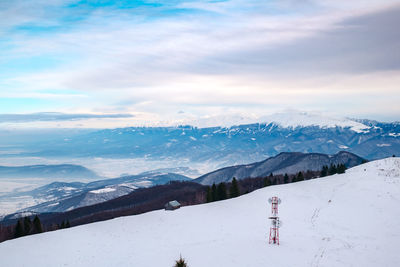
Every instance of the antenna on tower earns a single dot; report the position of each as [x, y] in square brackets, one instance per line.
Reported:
[276, 223]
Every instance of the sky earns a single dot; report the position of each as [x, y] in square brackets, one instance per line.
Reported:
[68, 63]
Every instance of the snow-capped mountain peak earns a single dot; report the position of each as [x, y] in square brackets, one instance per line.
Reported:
[286, 119]
[294, 119]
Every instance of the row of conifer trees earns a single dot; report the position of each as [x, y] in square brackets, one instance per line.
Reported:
[333, 169]
[220, 191]
[27, 227]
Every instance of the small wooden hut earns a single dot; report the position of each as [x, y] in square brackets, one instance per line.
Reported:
[172, 205]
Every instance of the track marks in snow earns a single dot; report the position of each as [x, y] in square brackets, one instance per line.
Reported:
[329, 247]
[329, 243]
[321, 251]
[317, 211]
[315, 216]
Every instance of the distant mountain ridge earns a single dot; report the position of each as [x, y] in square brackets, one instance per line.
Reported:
[225, 146]
[287, 162]
[228, 146]
[312, 119]
[47, 171]
[62, 196]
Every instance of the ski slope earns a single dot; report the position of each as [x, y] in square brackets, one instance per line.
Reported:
[350, 219]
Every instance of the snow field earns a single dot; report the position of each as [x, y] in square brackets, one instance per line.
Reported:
[342, 220]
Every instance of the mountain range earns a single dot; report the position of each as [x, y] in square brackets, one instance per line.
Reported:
[61, 196]
[299, 132]
[287, 162]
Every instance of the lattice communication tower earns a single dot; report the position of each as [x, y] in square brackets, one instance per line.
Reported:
[276, 223]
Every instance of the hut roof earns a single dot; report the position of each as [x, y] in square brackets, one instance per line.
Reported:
[174, 203]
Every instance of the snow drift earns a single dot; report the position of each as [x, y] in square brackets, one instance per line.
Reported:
[349, 219]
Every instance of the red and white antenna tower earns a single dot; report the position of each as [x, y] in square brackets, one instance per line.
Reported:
[275, 222]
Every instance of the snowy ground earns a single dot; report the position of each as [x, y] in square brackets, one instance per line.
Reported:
[341, 220]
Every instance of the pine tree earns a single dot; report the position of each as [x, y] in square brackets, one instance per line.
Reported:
[214, 193]
[266, 182]
[37, 225]
[294, 178]
[209, 197]
[341, 168]
[27, 226]
[181, 262]
[62, 226]
[19, 229]
[234, 189]
[300, 176]
[221, 191]
[67, 224]
[324, 171]
[332, 169]
[286, 178]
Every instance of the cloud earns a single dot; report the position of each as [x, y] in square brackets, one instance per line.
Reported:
[55, 116]
[360, 44]
[126, 54]
[205, 57]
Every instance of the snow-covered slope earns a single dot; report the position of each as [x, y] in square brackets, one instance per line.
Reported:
[342, 220]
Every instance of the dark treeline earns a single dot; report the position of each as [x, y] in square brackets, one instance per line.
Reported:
[236, 188]
[27, 227]
[154, 198]
[333, 169]
[23, 226]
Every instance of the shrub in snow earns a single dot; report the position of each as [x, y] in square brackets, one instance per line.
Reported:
[180, 263]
